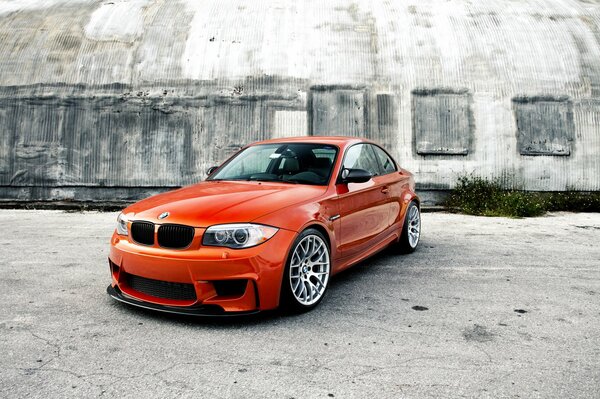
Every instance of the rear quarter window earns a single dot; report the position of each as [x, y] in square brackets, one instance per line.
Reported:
[387, 163]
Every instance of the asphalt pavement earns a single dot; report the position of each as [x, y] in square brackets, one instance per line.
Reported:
[487, 307]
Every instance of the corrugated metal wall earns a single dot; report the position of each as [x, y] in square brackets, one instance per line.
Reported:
[115, 100]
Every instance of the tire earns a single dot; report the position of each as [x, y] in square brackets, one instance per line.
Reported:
[306, 276]
[411, 230]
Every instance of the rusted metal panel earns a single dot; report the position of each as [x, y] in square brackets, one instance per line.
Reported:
[118, 142]
[544, 125]
[337, 111]
[442, 122]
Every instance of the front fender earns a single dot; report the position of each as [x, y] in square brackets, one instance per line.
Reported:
[299, 218]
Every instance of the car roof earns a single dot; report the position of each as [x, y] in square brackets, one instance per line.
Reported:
[340, 141]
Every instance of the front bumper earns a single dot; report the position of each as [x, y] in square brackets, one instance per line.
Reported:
[204, 268]
[198, 310]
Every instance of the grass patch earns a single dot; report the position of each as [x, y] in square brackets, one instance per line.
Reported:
[475, 195]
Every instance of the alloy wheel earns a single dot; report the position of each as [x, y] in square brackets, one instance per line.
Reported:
[414, 226]
[309, 270]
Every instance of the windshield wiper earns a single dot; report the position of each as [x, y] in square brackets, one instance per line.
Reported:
[231, 179]
[262, 179]
[274, 180]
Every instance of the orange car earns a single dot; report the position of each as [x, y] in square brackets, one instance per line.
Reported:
[269, 227]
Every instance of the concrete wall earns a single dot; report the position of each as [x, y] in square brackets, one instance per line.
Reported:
[116, 100]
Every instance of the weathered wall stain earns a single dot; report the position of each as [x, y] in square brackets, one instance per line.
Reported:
[116, 100]
[385, 120]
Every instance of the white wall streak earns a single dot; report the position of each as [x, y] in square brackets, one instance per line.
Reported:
[117, 20]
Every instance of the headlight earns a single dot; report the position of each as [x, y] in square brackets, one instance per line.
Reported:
[241, 235]
[122, 225]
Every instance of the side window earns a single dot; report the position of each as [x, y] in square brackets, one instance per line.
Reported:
[361, 156]
[387, 164]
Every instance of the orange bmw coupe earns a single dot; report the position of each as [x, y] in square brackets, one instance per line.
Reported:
[268, 228]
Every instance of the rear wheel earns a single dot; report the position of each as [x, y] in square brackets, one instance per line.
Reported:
[411, 230]
[307, 272]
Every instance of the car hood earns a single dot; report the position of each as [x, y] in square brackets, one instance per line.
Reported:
[215, 202]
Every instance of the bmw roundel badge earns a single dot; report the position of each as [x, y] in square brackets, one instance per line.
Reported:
[163, 215]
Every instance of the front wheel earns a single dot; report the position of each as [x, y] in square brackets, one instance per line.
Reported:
[411, 230]
[307, 272]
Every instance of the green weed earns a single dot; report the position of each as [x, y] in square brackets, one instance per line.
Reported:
[475, 195]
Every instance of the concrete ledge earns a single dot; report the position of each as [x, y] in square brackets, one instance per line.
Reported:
[115, 198]
[77, 206]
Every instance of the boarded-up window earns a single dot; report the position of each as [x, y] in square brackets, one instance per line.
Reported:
[544, 125]
[337, 111]
[442, 122]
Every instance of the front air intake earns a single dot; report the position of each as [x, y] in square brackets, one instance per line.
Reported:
[161, 289]
[143, 232]
[175, 236]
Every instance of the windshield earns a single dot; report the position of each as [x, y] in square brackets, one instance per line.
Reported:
[302, 163]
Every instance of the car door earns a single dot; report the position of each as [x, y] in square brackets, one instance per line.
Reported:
[363, 207]
[395, 182]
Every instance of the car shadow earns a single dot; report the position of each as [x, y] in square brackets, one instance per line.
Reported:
[358, 271]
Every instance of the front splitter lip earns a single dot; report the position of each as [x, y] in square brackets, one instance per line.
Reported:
[203, 311]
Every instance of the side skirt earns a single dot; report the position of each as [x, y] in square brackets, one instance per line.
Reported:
[345, 263]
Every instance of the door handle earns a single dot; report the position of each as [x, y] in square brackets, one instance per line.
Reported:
[385, 190]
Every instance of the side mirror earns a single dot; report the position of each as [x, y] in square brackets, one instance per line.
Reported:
[356, 176]
[210, 170]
